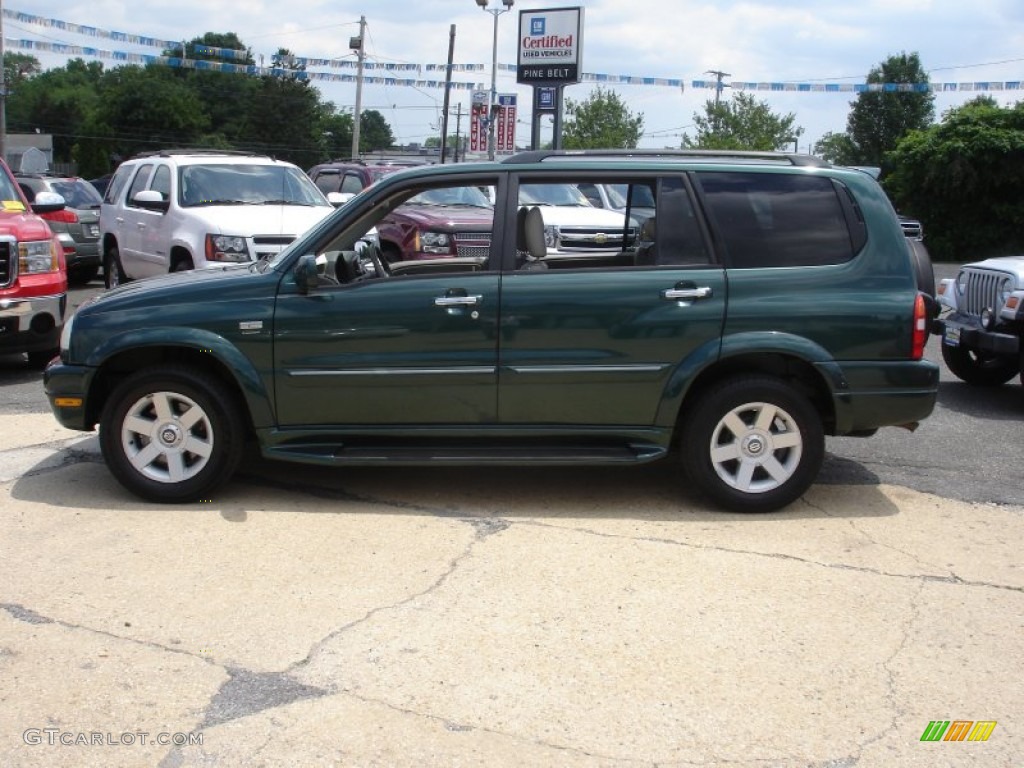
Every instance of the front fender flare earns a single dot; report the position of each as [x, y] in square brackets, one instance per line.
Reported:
[238, 366]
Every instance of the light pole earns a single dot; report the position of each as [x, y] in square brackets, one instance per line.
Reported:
[496, 12]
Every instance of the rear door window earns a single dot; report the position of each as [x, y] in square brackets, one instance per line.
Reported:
[777, 220]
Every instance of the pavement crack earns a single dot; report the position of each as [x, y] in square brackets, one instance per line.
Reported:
[925, 577]
[21, 613]
[454, 726]
[439, 582]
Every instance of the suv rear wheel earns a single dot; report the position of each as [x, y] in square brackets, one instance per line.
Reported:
[171, 434]
[752, 443]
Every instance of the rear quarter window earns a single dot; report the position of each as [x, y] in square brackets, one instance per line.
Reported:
[778, 220]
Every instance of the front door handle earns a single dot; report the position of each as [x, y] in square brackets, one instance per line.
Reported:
[686, 294]
[457, 301]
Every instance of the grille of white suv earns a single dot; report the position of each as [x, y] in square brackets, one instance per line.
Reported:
[593, 238]
[266, 246]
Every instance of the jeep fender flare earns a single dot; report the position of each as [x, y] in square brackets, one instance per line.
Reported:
[716, 355]
[228, 358]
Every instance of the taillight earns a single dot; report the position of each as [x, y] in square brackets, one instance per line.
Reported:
[63, 216]
[920, 336]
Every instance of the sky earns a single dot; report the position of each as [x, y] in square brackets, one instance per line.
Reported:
[773, 41]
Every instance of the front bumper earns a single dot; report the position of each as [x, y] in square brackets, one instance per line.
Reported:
[66, 387]
[965, 331]
[32, 324]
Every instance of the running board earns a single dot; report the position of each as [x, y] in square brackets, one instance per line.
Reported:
[381, 453]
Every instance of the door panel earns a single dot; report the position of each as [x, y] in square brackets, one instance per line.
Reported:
[401, 350]
[589, 347]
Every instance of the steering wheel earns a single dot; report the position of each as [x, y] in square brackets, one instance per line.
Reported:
[380, 264]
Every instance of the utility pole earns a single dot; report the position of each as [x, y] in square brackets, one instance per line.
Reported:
[3, 90]
[447, 94]
[719, 86]
[358, 44]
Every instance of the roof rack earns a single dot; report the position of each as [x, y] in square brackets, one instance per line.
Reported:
[540, 155]
[199, 151]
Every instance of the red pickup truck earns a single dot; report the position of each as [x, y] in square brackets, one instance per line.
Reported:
[33, 276]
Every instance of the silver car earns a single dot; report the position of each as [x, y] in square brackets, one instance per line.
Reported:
[77, 226]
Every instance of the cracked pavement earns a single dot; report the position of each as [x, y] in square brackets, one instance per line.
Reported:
[571, 617]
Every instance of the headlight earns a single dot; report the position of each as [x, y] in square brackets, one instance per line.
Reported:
[434, 242]
[1005, 289]
[37, 256]
[961, 283]
[551, 236]
[65, 337]
[226, 248]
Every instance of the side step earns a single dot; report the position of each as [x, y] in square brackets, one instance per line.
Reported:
[463, 453]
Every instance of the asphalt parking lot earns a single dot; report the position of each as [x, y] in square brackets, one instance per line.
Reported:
[488, 617]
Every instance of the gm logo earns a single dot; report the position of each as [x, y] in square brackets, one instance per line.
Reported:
[537, 26]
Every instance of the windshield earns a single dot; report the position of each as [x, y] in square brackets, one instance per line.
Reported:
[10, 196]
[235, 184]
[552, 194]
[453, 196]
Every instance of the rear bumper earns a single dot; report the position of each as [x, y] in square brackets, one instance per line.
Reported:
[31, 324]
[867, 396]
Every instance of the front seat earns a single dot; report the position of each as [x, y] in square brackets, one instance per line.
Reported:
[532, 240]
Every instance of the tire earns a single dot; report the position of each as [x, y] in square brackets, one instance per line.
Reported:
[171, 435]
[113, 274]
[40, 358]
[924, 273]
[742, 463]
[979, 369]
[184, 265]
[83, 275]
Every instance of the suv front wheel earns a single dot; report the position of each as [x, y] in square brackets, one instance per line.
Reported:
[113, 275]
[752, 443]
[171, 434]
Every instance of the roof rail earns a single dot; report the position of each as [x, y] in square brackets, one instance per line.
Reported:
[540, 155]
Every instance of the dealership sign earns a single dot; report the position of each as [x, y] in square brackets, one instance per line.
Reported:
[550, 46]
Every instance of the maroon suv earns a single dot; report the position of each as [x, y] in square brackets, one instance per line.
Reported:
[439, 223]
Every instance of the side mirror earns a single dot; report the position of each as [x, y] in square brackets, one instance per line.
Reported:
[307, 273]
[47, 202]
[338, 199]
[151, 200]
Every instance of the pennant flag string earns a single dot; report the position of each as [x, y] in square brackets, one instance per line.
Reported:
[232, 54]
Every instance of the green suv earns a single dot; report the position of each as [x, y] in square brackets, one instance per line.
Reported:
[770, 301]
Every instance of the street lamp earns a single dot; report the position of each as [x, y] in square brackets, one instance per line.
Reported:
[496, 12]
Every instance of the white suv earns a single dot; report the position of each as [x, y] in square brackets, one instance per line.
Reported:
[177, 210]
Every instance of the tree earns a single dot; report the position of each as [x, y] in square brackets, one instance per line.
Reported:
[742, 123]
[19, 67]
[374, 132]
[837, 148]
[879, 119]
[600, 121]
[57, 102]
[964, 178]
